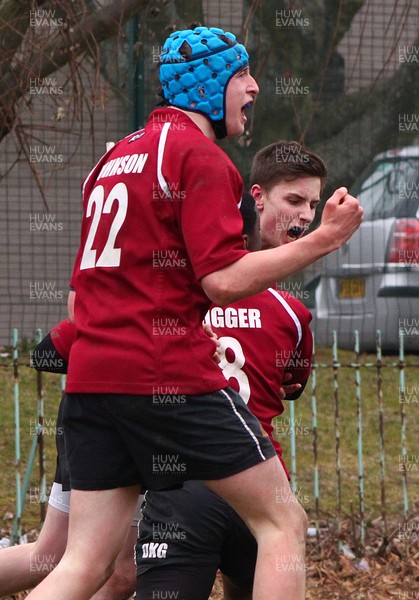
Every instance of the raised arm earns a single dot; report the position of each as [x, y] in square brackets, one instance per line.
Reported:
[256, 271]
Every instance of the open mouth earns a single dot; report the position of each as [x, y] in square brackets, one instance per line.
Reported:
[294, 233]
[244, 108]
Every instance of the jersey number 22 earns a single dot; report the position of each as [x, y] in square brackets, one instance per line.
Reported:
[110, 255]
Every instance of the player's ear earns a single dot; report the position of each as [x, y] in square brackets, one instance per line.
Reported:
[258, 195]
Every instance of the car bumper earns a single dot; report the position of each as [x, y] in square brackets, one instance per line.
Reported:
[390, 304]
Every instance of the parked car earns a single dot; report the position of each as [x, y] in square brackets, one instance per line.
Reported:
[372, 282]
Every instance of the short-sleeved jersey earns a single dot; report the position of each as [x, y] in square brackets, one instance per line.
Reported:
[262, 337]
[160, 212]
[62, 336]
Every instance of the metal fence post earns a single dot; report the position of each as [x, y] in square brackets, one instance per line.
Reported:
[293, 448]
[337, 439]
[402, 399]
[16, 524]
[315, 443]
[40, 437]
[359, 435]
[381, 434]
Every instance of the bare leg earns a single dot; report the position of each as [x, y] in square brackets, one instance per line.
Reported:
[258, 494]
[261, 495]
[23, 567]
[94, 542]
[121, 585]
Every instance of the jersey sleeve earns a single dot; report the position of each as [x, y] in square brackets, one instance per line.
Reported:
[62, 336]
[51, 354]
[210, 218]
[300, 363]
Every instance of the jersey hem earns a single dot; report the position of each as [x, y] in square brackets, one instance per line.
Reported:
[95, 387]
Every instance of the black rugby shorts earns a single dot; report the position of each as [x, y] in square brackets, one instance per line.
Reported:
[159, 441]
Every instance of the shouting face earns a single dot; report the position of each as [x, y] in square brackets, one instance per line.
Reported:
[287, 210]
[241, 91]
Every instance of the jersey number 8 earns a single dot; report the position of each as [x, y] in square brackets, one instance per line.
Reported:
[234, 369]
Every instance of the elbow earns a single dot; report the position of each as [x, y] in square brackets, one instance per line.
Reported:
[220, 297]
[218, 290]
[230, 284]
[225, 299]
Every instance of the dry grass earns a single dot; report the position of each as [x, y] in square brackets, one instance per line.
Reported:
[392, 563]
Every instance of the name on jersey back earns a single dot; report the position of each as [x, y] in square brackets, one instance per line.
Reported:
[131, 163]
[234, 317]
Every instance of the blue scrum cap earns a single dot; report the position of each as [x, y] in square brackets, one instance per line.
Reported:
[195, 68]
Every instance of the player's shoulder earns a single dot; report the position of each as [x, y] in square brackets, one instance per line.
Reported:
[288, 302]
[182, 134]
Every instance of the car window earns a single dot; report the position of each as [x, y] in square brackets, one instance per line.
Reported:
[389, 188]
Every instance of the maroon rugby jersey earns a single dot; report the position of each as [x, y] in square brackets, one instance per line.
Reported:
[261, 338]
[160, 213]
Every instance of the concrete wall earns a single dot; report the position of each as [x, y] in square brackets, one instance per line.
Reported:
[38, 244]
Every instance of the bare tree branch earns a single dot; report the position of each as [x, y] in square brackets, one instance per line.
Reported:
[66, 44]
[14, 21]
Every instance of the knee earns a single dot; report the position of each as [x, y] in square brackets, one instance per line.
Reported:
[105, 572]
[303, 521]
[91, 572]
[297, 519]
[121, 584]
[42, 560]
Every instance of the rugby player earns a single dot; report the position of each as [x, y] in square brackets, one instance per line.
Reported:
[23, 566]
[152, 193]
[187, 534]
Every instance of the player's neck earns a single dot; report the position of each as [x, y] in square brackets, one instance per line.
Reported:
[200, 121]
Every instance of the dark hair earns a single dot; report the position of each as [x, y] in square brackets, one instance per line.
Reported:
[285, 161]
[248, 212]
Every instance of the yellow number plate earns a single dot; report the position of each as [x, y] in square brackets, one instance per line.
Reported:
[351, 288]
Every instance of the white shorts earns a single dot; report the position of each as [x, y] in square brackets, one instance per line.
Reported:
[61, 501]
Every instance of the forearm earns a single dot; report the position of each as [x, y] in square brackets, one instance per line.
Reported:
[259, 270]
[15, 569]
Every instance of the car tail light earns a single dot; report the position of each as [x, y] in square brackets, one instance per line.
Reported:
[404, 244]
